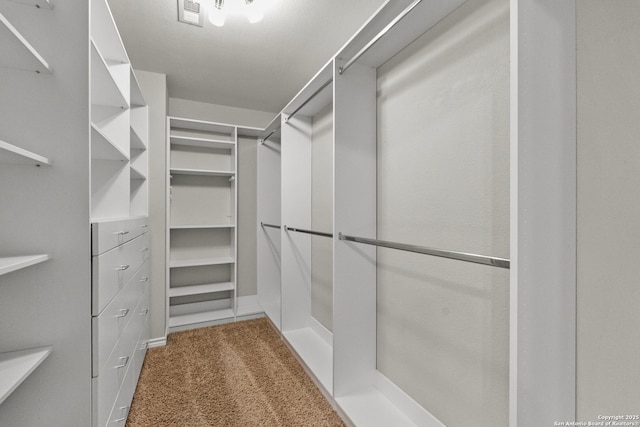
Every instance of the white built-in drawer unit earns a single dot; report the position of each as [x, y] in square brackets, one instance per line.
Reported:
[113, 269]
[109, 325]
[120, 308]
[106, 235]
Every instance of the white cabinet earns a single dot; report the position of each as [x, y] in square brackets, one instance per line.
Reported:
[120, 322]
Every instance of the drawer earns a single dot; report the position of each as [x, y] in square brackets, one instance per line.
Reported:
[112, 270]
[111, 377]
[110, 324]
[106, 235]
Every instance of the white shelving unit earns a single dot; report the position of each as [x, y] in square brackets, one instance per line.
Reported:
[16, 366]
[202, 200]
[10, 264]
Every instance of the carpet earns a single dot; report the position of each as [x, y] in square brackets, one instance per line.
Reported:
[239, 374]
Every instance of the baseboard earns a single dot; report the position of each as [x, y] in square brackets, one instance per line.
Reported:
[322, 332]
[157, 342]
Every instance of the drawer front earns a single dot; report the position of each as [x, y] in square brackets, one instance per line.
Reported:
[111, 377]
[113, 270]
[107, 235]
[111, 323]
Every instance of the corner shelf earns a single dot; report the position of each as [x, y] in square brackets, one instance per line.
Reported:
[201, 262]
[12, 154]
[16, 366]
[136, 141]
[182, 291]
[202, 172]
[19, 51]
[201, 142]
[10, 264]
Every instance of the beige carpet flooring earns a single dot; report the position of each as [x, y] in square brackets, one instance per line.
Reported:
[239, 374]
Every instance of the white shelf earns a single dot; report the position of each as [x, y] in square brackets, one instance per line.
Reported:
[200, 226]
[9, 264]
[200, 262]
[207, 316]
[137, 175]
[104, 89]
[316, 353]
[202, 142]
[103, 148]
[203, 172]
[182, 291]
[369, 407]
[17, 52]
[136, 141]
[16, 366]
[137, 99]
[11, 154]
[199, 125]
[44, 4]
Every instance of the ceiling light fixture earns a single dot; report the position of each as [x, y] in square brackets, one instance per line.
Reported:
[252, 9]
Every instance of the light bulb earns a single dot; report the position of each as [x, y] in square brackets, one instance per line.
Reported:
[254, 11]
[217, 15]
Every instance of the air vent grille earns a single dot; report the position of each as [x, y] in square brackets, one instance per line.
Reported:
[190, 12]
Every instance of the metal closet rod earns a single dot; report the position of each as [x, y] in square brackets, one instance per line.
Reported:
[310, 98]
[460, 256]
[302, 230]
[378, 36]
[262, 224]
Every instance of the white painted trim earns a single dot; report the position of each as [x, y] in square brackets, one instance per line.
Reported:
[248, 305]
[405, 403]
[322, 332]
[157, 342]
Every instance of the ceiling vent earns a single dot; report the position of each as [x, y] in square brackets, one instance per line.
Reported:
[190, 12]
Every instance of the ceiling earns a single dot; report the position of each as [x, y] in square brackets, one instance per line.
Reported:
[256, 66]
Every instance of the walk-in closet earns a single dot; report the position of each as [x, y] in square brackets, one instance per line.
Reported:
[283, 213]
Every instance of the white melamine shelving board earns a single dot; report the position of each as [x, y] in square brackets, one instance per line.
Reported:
[201, 226]
[200, 125]
[11, 154]
[316, 353]
[103, 148]
[17, 52]
[16, 366]
[204, 172]
[9, 264]
[104, 89]
[182, 291]
[136, 141]
[207, 316]
[201, 262]
[46, 4]
[201, 142]
[370, 407]
[136, 96]
[137, 174]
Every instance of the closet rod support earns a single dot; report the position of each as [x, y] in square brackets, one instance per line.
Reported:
[313, 95]
[459, 256]
[262, 224]
[302, 230]
[378, 36]
[268, 136]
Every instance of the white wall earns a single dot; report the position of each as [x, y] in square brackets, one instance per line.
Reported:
[247, 217]
[608, 328]
[154, 90]
[322, 217]
[443, 182]
[219, 113]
